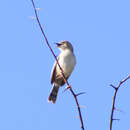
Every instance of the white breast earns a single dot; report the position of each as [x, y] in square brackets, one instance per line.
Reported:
[67, 62]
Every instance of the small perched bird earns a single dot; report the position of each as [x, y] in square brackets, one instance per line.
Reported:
[67, 61]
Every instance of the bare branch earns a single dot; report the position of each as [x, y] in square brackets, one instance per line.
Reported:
[69, 87]
[113, 86]
[114, 100]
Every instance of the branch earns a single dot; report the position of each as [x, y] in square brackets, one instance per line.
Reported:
[68, 85]
[114, 100]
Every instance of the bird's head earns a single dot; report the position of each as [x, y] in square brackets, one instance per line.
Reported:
[63, 45]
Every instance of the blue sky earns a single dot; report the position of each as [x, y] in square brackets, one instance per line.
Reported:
[100, 33]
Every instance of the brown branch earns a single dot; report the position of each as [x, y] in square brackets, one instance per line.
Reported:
[114, 100]
[68, 85]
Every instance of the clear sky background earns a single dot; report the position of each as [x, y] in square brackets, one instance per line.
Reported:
[100, 33]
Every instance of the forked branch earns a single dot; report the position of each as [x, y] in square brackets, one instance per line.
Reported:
[68, 85]
[116, 88]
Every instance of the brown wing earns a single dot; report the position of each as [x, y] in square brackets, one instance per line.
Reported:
[53, 75]
[53, 72]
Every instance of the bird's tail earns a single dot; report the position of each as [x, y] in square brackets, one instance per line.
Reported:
[53, 94]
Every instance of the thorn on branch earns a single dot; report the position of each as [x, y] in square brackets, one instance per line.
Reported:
[32, 17]
[116, 119]
[112, 86]
[81, 106]
[80, 93]
[38, 9]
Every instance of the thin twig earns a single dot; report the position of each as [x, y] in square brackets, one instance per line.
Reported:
[78, 94]
[114, 100]
[68, 85]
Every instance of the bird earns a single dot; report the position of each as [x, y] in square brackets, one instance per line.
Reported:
[67, 61]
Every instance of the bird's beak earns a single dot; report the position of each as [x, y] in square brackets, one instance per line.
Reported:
[57, 44]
